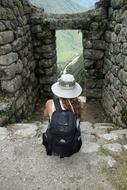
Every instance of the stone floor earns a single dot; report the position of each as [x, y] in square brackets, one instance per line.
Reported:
[24, 164]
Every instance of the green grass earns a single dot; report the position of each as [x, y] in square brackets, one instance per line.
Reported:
[5, 96]
[117, 175]
[104, 152]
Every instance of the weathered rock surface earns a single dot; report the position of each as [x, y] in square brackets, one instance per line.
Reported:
[115, 147]
[30, 168]
[28, 56]
[3, 133]
[25, 130]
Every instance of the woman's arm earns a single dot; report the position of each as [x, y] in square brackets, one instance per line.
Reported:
[47, 108]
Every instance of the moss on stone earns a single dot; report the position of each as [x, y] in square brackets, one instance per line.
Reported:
[17, 3]
[9, 112]
[3, 15]
[118, 175]
[9, 14]
[5, 96]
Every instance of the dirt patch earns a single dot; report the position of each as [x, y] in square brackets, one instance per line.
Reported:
[94, 112]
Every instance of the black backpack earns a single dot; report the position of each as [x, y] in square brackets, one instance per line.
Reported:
[62, 137]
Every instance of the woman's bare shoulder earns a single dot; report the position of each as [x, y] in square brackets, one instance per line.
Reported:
[49, 102]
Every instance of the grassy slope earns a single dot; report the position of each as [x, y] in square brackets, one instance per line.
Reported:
[69, 45]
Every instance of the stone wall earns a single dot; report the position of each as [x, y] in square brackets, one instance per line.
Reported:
[18, 83]
[115, 63]
[92, 24]
[28, 61]
[44, 44]
[94, 47]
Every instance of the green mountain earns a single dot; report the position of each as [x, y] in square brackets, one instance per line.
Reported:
[69, 45]
[58, 6]
[69, 42]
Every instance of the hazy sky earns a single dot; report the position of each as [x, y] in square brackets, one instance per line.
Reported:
[86, 3]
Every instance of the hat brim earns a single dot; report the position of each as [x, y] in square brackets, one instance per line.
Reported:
[63, 93]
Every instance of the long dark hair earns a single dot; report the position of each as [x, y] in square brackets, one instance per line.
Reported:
[76, 104]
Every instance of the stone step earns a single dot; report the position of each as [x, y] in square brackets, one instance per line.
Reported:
[93, 138]
[97, 128]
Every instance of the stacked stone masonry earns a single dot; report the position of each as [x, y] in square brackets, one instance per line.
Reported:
[18, 83]
[115, 63]
[28, 57]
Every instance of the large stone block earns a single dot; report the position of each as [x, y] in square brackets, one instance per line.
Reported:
[46, 48]
[119, 59]
[99, 44]
[8, 72]
[46, 63]
[108, 64]
[116, 4]
[6, 37]
[93, 54]
[123, 34]
[125, 64]
[117, 28]
[93, 93]
[110, 37]
[2, 27]
[3, 15]
[6, 3]
[124, 18]
[32, 65]
[12, 85]
[49, 55]
[123, 76]
[36, 29]
[5, 49]
[17, 44]
[124, 92]
[117, 48]
[88, 63]
[47, 80]
[87, 43]
[117, 84]
[90, 83]
[8, 59]
[115, 70]
[49, 71]
[20, 101]
[124, 51]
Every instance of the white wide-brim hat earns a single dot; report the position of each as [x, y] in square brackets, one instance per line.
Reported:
[66, 87]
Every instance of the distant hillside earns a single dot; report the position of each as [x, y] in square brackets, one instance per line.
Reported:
[58, 6]
[69, 45]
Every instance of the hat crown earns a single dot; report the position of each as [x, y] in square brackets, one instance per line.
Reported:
[67, 81]
[66, 87]
[67, 77]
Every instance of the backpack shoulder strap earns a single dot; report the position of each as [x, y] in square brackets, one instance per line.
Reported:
[57, 104]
